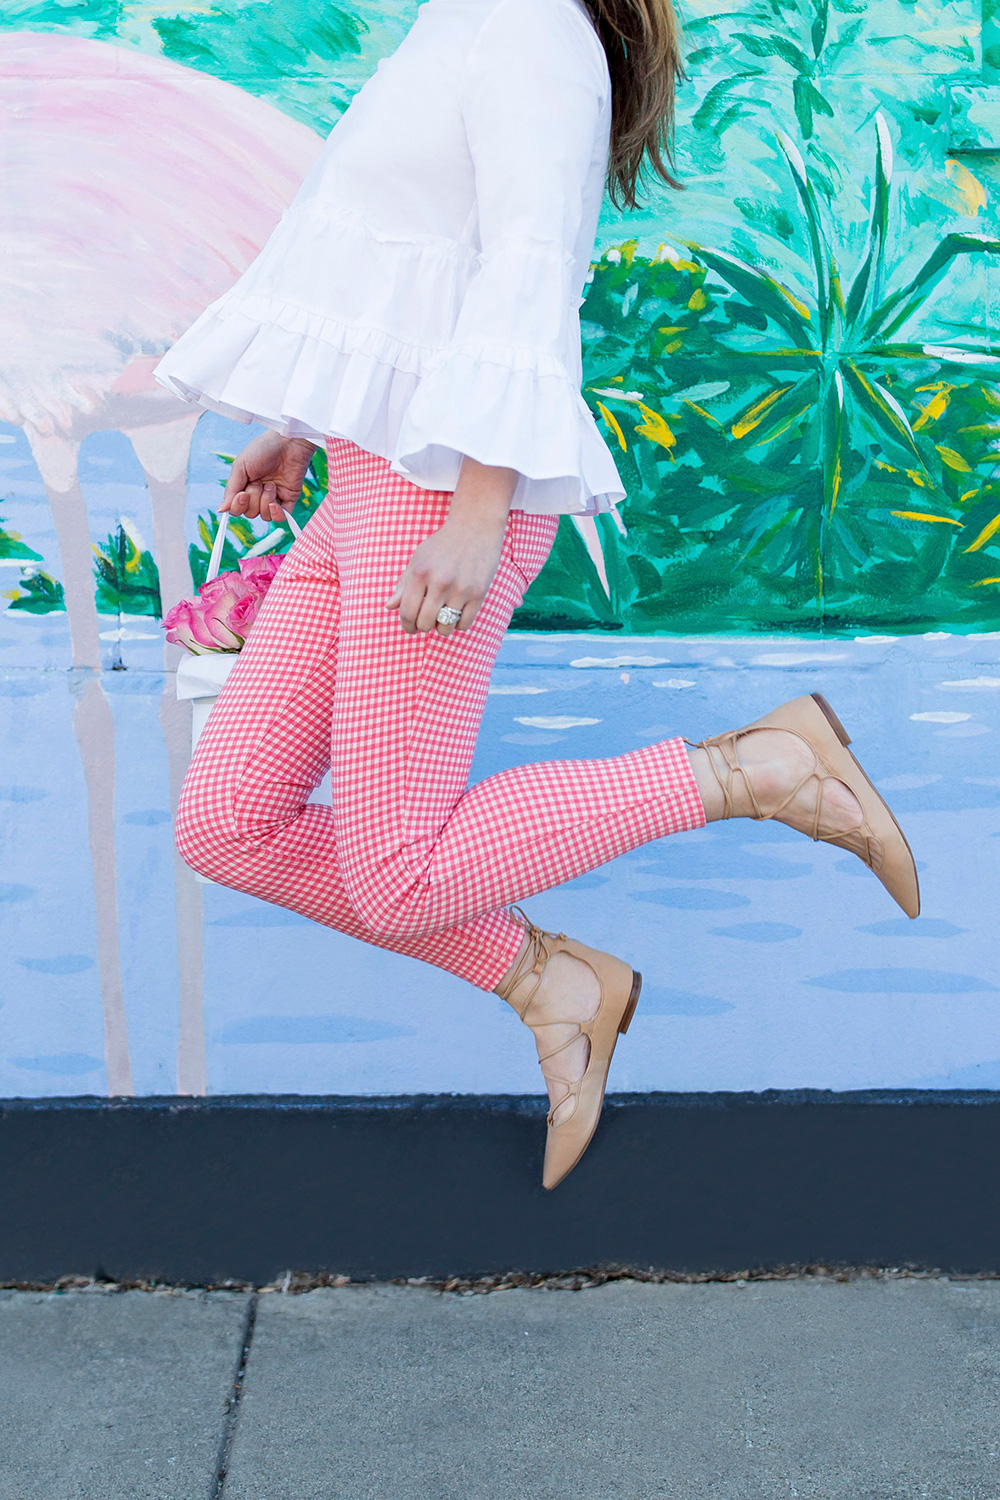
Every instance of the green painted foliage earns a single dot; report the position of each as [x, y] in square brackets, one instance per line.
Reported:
[126, 576]
[795, 455]
[36, 591]
[14, 549]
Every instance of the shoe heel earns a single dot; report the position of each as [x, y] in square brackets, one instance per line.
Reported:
[838, 728]
[633, 1001]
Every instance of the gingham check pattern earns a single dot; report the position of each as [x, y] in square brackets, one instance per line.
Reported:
[408, 857]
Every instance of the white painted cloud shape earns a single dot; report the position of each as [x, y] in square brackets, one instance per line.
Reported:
[556, 721]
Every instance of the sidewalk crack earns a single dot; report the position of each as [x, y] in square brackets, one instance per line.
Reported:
[233, 1402]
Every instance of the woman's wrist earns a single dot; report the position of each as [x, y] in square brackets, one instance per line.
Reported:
[482, 497]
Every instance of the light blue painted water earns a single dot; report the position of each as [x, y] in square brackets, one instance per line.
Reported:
[769, 961]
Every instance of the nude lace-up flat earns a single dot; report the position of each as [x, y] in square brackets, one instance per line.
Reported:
[620, 986]
[879, 842]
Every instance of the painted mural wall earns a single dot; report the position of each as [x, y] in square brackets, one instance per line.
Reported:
[794, 363]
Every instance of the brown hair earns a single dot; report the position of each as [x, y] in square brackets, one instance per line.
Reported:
[641, 39]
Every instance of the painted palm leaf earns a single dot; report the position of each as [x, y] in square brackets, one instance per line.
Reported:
[871, 268]
[901, 305]
[762, 291]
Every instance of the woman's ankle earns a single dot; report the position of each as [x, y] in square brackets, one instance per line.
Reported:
[503, 987]
[772, 762]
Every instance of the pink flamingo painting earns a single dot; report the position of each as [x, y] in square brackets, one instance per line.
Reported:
[135, 191]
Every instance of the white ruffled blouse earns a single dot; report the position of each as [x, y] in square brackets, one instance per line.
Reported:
[420, 296]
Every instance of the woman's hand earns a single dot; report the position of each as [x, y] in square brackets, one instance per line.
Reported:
[456, 565]
[267, 477]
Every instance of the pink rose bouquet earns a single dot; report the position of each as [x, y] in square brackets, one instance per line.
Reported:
[220, 617]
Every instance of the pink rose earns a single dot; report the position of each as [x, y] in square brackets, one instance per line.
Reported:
[243, 614]
[221, 616]
[221, 588]
[258, 572]
[185, 626]
[217, 601]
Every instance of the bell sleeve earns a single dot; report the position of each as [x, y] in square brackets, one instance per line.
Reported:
[506, 390]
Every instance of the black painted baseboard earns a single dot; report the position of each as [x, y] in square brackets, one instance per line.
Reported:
[245, 1188]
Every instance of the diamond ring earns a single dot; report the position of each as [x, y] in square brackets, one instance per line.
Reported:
[448, 616]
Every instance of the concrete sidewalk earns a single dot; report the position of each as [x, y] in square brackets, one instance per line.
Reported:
[870, 1389]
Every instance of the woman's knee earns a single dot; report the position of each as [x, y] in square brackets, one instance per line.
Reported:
[204, 831]
[390, 915]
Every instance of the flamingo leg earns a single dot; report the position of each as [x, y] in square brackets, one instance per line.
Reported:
[56, 457]
[163, 451]
[93, 727]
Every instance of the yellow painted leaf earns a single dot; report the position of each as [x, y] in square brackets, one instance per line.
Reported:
[800, 307]
[981, 581]
[667, 252]
[697, 301]
[672, 348]
[772, 354]
[990, 529]
[935, 407]
[982, 429]
[954, 460]
[10, 593]
[969, 495]
[835, 485]
[969, 189]
[917, 478]
[612, 423]
[920, 515]
[702, 412]
[836, 289]
[776, 432]
[625, 252]
[655, 428]
[880, 463]
[752, 418]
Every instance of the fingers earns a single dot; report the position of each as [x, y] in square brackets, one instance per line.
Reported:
[469, 614]
[254, 499]
[466, 614]
[408, 597]
[428, 612]
[236, 483]
[276, 509]
[418, 604]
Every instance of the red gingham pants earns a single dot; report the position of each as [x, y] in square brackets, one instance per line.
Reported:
[409, 856]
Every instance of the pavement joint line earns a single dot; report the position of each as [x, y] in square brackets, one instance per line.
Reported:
[232, 1416]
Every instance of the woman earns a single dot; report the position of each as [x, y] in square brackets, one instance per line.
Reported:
[417, 310]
